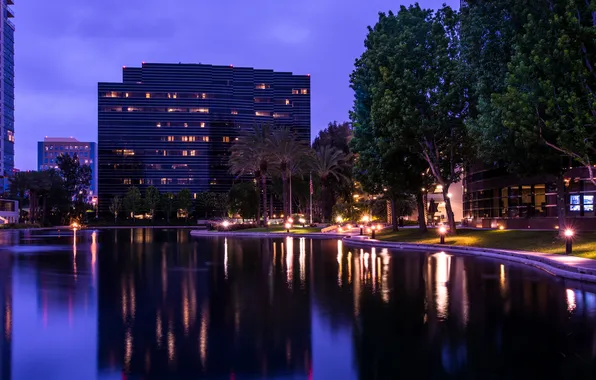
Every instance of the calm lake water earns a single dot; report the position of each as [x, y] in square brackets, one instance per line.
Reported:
[144, 304]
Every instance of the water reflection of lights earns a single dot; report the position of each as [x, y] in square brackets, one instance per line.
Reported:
[302, 261]
[203, 334]
[373, 264]
[133, 299]
[124, 300]
[185, 308]
[74, 253]
[502, 280]
[164, 272]
[171, 342]
[349, 267]
[357, 280]
[93, 253]
[385, 293]
[274, 254]
[8, 320]
[339, 263]
[226, 258]
[128, 346]
[571, 303]
[290, 261]
[442, 271]
[158, 329]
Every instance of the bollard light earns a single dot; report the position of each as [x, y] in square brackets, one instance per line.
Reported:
[225, 224]
[288, 226]
[501, 228]
[361, 228]
[302, 221]
[568, 241]
[442, 232]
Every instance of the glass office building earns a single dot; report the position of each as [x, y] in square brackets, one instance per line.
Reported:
[172, 125]
[7, 96]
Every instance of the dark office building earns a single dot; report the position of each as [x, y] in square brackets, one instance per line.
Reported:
[172, 125]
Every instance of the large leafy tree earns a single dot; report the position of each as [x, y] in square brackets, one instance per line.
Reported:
[77, 179]
[243, 199]
[152, 198]
[417, 95]
[185, 202]
[133, 201]
[549, 104]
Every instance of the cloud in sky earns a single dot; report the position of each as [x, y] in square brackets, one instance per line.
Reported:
[63, 48]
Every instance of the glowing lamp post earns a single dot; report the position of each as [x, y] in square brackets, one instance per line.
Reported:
[225, 224]
[442, 232]
[568, 241]
[302, 221]
[288, 226]
[339, 219]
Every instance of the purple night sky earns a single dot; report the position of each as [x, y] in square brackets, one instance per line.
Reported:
[63, 48]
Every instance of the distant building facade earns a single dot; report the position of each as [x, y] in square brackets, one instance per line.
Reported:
[7, 96]
[172, 125]
[52, 147]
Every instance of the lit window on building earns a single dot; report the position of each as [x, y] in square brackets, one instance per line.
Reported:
[148, 95]
[287, 102]
[164, 181]
[199, 110]
[185, 152]
[202, 125]
[158, 125]
[170, 138]
[205, 138]
[126, 95]
[262, 113]
[193, 152]
[234, 112]
[185, 125]
[226, 139]
[127, 181]
[279, 115]
[262, 86]
[299, 91]
[176, 109]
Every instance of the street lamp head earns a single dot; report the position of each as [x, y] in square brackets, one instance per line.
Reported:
[365, 218]
[568, 233]
[290, 220]
[442, 230]
[339, 219]
[225, 224]
[288, 226]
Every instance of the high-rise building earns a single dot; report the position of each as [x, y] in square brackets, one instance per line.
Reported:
[52, 147]
[172, 125]
[7, 93]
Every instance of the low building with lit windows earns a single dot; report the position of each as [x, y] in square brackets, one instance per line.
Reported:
[50, 148]
[171, 125]
[494, 198]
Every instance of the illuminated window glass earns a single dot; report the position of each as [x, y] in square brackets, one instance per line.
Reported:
[148, 95]
[202, 125]
[205, 138]
[127, 181]
[262, 113]
[226, 139]
[193, 152]
[199, 110]
[234, 112]
[164, 181]
[281, 115]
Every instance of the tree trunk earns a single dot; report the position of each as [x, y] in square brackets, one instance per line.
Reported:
[421, 214]
[45, 210]
[264, 186]
[561, 205]
[258, 220]
[284, 195]
[393, 215]
[449, 210]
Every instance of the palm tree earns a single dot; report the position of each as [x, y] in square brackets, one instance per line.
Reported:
[329, 162]
[252, 152]
[289, 154]
[19, 185]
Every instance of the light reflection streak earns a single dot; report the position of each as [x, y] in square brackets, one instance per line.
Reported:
[93, 253]
[226, 258]
[302, 261]
[340, 266]
[133, 299]
[164, 272]
[128, 346]
[357, 280]
[185, 307]
[290, 261]
[124, 300]
[203, 339]
[274, 253]
[158, 329]
[571, 303]
[171, 343]
[442, 271]
[385, 293]
[74, 253]
[502, 280]
[8, 320]
[373, 261]
[349, 267]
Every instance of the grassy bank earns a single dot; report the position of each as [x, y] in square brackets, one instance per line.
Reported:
[584, 244]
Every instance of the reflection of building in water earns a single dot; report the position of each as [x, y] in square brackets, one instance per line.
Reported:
[5, 316]
[208, 309]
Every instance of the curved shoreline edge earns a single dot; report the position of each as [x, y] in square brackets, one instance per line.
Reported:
[569, 267]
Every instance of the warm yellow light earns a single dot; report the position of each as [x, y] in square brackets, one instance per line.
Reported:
[339, 219]
[302, 220]
[288, 226]
[290, 220]
[365, 218]
[356, 196]
[568, 233]
[349, 226]
[442, 230]
[379, 227]
[340, 229]
[225, 224]
[501, 227]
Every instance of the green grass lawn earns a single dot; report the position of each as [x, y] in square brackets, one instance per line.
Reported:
[281, 229]
[584, 243]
